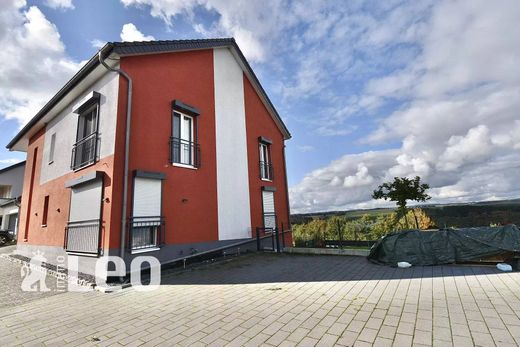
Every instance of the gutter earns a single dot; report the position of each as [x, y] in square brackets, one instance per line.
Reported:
[127, 146]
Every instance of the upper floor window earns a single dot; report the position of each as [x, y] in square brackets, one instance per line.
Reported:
[266, 169]
[52, 148]
[184, 149]
[84, 150]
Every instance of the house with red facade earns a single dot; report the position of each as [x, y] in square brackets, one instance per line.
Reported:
[168, 148]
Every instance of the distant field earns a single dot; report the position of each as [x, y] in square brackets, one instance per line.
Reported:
[449, 215]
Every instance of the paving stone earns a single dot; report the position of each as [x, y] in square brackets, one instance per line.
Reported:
[323, 300]
[387, 332]
[422, 337]
[401, 340]
[405, 328]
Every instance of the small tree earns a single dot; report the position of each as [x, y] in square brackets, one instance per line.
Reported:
[401, 190]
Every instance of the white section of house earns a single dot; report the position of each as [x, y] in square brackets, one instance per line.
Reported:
[234, 215]
[65, 124]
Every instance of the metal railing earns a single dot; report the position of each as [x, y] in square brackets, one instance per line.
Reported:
[266, 171]
[83, 236]
[146, 232]
[276, 235]
[84, 152]
[184, 152]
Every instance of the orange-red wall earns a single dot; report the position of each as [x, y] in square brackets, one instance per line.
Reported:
[260, 123]
[159, 79]
[59, 199]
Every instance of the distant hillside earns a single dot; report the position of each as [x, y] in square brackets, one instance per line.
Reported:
[449, 215]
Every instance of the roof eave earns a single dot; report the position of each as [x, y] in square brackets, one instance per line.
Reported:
[124, 49]
[84, 71]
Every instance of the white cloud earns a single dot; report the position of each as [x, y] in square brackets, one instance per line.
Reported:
[97, 43]
[60, 4]
[474, 147]
[361, 178]
[253, 23]
[34, 64]
[131, 33]
[458, 123]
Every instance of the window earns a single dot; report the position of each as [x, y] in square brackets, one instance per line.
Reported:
[45, 211]
[266, 170]
[5, 192]
[268, 209]
[85, 148]
[52, 147]
[84, 226]
[147, 221]
[184, 149]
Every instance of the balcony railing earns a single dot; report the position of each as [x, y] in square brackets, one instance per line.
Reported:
[266, 171]
[184, 152]
[83, 236]
[84, 152]
[146, 232]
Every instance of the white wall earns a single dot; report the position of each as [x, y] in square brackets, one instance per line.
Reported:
[234, 220]
[65, 126]
[14, 178]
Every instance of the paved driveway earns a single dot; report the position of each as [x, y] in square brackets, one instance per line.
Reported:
[284, 300]
[11, 293]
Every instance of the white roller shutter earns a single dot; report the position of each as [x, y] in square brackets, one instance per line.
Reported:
[85, 203]
[268, 198]
[269, 211]
[147, 197]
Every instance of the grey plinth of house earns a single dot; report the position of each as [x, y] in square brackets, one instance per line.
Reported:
[327, 251]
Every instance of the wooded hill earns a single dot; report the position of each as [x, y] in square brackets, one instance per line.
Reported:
[444, 215]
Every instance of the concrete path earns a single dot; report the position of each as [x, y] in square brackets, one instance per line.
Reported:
[284, 300]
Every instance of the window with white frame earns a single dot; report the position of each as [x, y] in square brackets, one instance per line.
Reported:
[146, 221]
[183, 144]
[266, 172]
[269, 211]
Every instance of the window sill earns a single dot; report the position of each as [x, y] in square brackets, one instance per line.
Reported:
[44, 225]
[84, 166]
[184, 166]
[144, 250]
[266, 180]
[81, 254]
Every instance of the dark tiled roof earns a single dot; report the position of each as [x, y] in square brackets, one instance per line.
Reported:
[146, 47]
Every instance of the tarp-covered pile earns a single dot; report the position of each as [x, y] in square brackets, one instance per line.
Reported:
[445, 246]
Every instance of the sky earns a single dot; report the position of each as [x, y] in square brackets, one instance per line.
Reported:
[370, 90]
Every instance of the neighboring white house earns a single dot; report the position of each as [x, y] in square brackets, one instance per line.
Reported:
[11, 184]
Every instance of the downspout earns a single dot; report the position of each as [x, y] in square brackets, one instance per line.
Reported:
[127, 149]
[286, 189]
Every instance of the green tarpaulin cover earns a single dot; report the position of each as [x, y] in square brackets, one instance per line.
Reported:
[419, 247]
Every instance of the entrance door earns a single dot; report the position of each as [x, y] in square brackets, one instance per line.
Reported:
[269, 211]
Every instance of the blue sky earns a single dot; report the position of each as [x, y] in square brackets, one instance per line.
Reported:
[369, 89]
